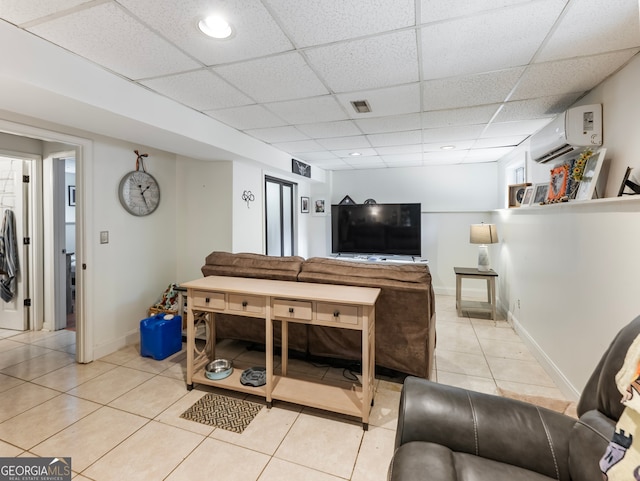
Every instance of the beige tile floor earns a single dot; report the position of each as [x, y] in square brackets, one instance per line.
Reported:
[118, 417]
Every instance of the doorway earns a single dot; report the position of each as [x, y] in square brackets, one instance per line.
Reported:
[279, 218]
[43, 280]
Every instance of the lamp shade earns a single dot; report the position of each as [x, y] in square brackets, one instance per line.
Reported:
[483, 234]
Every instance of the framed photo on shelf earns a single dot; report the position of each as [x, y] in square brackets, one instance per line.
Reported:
[516, 193]
[304, 205]
[527, 197]
[540, 193]
[587, 187]
[559, 182]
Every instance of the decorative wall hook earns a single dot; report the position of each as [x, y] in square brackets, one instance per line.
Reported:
[248, 196]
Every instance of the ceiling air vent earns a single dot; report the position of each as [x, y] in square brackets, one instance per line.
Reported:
[361, 106]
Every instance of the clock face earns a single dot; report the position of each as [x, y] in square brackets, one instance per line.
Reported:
[139, 193]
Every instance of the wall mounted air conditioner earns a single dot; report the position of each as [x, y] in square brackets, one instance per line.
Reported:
[568, 134]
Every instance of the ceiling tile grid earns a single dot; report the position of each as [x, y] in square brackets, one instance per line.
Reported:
[478, 76]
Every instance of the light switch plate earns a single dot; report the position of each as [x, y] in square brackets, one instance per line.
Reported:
[104, 237]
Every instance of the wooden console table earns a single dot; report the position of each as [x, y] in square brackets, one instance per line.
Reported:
[341, 307]
[473, 273]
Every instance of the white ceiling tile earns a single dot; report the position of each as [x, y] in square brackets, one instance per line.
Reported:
[487, 155]
[448, 134]
[448, 157]
[200, 89]
[396, 158]
[403, 99]
[21, 11]
[395, 138]
[544, 107]
[299, 146]
[312, 110]
[323, 130]
[479, 89]
[509, 141]
[569, 76]
[496, 40]
[282, 77]
[459, 145]
[338, 143]
[105, 34]
[396, 123]
[247, 117]
[463, 116]
[435, 10]
[363, 152]
[256, 32]
[399, 149]
[371, 160]
[521, 127]
[317, 156]
[593, 26]
[277, 134]
[374, 62]
[330, 21]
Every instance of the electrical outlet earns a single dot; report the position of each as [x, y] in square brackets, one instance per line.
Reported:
[104, 237]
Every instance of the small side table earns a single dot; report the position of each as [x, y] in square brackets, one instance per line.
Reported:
[473, 273]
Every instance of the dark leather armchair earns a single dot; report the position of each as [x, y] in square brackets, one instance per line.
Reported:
[449, 433]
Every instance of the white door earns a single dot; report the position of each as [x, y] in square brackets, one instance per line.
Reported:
[14, 197]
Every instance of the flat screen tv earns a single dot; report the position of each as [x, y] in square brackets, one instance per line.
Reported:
[391, 229]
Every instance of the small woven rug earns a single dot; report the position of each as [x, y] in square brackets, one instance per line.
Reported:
[223, 412]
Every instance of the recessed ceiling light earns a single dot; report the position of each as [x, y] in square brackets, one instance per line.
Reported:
[448, 147]
[354, 154]
[215, 26]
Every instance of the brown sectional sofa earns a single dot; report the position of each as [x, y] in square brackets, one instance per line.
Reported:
[405, 310]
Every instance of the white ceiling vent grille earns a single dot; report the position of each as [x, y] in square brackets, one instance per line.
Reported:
[361, 106]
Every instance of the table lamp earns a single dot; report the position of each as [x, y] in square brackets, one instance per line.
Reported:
[483, 234]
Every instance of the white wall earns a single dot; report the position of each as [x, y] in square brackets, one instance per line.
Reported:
[203, 213]
[568, 273]
[133, 269]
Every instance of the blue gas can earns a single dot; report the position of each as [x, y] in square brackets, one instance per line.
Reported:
[160, 336]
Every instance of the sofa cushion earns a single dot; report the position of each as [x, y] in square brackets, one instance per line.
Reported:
[252, 265]
[412, 461]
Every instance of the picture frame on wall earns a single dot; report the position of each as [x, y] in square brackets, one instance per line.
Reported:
[319, 206]
[304, 205]
[540, 193]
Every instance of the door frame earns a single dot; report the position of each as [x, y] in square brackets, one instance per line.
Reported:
[294, 226]
[84, 224]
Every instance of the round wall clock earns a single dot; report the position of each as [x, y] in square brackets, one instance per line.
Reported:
[139, 193]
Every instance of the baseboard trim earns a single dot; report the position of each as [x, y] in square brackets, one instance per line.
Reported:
[545, 361]
[132, 337]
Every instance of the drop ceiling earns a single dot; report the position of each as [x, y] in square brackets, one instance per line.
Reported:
[480, 76]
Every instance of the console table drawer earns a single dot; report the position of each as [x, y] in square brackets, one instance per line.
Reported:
[208, 300]
[285, 308]
[340, 313]
[245, 303]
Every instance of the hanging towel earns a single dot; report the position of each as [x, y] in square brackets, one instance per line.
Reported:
[8, 257]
